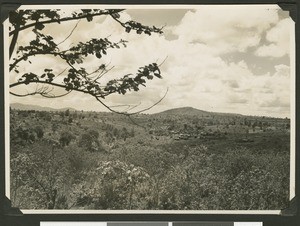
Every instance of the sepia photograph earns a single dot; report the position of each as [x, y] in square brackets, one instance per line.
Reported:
[150, 108]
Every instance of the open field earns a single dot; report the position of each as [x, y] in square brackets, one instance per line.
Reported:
[181, 159]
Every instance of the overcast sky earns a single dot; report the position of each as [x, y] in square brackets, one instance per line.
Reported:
[216, 58]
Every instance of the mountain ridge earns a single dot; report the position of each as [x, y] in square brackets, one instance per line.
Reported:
[187, 111]
[193, 112]
[174, 111]
[27, 107]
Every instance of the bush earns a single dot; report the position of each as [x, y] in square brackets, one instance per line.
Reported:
[89, 141]
[65, 138]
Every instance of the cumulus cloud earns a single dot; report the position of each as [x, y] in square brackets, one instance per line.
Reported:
[226, 28]
[194, 72]
[274, 102]
[279, 38]
[236, 99]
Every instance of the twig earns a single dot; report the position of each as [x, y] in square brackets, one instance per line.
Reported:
[56, 96]
[70, 33]
[133, 113]
[22, 95]
[135, 123]
[146, 109]
[163, 61]
[129, 107]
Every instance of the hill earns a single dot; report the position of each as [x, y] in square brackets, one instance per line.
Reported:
[26, 107]
[190, 111]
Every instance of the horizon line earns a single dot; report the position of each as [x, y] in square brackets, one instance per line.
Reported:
[74, 109]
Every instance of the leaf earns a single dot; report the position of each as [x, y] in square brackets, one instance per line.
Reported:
[147, 32]
[76, 84]
[86, 10]
[98, 55]
[89, 18]
[39, 26]
[157, 75]
[50, 75]
[127, 29]
[79, 61]
[66, 80]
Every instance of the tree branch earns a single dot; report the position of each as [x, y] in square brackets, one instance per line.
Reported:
[146, 109]
[14, 64]
[133, 113]
[56, 96]
[107, 12]
[22, 95]
[79, 79]
[48, 83]
[13, 42]
[138, 27]
[129, 107]
[37, 181]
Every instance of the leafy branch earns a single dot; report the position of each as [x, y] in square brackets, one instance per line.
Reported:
[74, 77]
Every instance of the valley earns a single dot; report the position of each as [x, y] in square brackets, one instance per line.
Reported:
[180, 159]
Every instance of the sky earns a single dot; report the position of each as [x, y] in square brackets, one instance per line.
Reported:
[229, 58]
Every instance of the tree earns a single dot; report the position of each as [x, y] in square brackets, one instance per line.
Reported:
[67, 112]
[89, 141]
[114, 185]
[65, 138]
[40, 169]
[39, 131]
[75, 78]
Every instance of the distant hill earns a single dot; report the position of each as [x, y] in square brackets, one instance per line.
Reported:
[190, 111]
[183, 111]
[26, 107]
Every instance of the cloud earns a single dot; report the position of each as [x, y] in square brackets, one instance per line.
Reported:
[275, 102]
[282, 70]
[226, 28]
[236, 99]
[279, 38]
[194, 71]
[232, 83]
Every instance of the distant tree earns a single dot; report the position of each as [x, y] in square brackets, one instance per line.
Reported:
[90, 142]
[260, 124]
[67, 112]
[39, 131]
[62, 114]
[75, 115]
[44, 115]
[23, 135]
[132, 133]
[65, 138]
[54, 127]
[74, 77]
[185, 126]
[125, 133]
